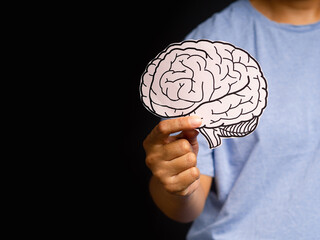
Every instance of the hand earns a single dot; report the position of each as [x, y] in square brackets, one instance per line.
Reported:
[173, 159]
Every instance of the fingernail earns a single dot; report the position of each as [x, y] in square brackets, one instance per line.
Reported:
[195, 121]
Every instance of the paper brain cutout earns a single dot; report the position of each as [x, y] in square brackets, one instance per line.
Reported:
[216, 81]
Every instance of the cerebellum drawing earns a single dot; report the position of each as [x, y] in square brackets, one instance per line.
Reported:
[216, 81]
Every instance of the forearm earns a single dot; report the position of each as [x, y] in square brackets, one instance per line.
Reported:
[179, 208]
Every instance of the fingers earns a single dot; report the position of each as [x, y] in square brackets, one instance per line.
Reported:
[176, 149]
[159, 157]
[167, 127]
[191, 136]
[180, 164]
[178, 174]
[180, 184]
[172, 159]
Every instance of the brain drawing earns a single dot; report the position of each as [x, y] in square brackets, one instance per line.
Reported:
[216, 81]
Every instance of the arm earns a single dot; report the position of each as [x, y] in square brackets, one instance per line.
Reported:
[176, 185]
[181, 208]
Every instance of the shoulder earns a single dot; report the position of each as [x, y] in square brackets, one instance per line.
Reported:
[225, 25]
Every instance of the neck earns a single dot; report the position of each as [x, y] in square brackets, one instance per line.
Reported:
[297, 12]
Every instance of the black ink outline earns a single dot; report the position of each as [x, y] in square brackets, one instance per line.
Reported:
[212, 134]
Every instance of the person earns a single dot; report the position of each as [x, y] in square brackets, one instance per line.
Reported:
[265, 185]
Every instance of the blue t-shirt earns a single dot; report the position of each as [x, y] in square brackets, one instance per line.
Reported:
[268, 183]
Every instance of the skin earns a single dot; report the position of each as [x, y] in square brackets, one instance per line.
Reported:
[296, 12]
[176, 186]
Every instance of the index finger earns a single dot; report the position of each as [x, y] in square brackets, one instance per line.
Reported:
[167, 127]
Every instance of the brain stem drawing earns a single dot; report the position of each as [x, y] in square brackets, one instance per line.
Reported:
[216, 81]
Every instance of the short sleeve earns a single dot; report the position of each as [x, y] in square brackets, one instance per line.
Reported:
[205, 159]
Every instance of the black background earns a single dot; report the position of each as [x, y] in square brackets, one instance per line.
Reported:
[144, 29]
